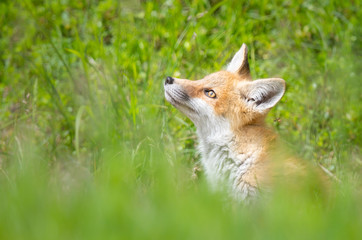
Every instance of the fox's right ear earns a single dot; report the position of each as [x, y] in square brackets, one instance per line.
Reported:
[239, 64]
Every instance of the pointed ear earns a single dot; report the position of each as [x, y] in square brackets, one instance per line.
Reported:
[263, 94]
[239, 64]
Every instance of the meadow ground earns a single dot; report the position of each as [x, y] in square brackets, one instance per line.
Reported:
[89, 148]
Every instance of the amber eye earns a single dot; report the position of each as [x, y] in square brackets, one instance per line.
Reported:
[210, 93]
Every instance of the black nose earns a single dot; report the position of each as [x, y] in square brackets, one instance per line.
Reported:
[169, 80]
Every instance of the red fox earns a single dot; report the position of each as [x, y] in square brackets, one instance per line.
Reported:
[228, 110]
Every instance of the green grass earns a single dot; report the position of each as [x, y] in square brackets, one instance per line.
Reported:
[89, 148]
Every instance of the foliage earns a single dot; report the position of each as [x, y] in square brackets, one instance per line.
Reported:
[90, 149]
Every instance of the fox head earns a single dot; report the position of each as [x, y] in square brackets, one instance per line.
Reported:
[226, 99]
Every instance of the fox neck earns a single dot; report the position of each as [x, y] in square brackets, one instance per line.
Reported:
[228, 156]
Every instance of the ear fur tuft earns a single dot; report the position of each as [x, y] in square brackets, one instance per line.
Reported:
[263, 94]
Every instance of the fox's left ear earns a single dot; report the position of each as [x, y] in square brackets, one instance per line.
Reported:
[239, 64]
[263, 94]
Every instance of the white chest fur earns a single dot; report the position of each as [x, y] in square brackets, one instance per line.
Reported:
[224, 167]
[223, 164]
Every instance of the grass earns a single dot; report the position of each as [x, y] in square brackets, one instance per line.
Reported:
[89, 149]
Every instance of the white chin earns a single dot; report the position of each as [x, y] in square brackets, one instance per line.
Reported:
[169, 98]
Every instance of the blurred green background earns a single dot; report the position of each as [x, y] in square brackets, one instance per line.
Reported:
[89, 148]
